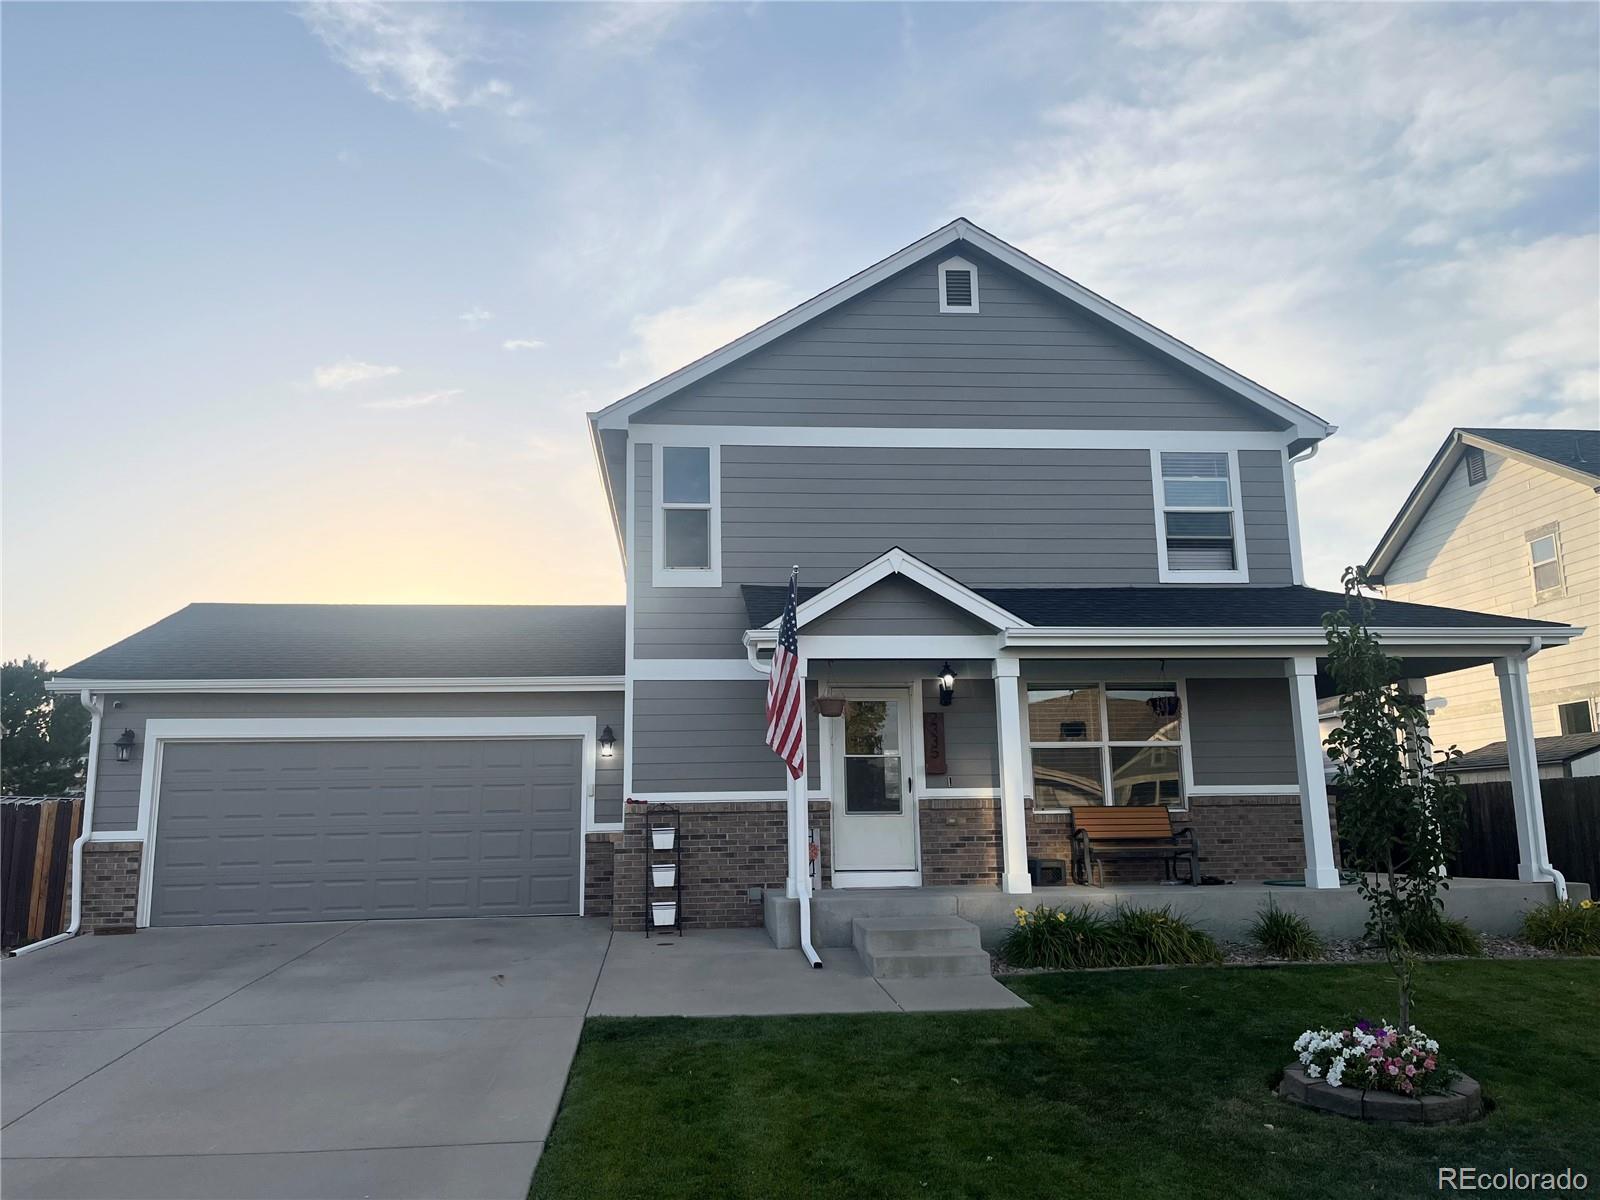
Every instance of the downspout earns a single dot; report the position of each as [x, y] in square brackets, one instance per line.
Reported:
[96, 706]
[802, 867]
[1541, 860]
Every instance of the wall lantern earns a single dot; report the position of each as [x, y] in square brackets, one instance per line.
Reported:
[830, 706]
[608, 742]
[124, 745]
[947, 685]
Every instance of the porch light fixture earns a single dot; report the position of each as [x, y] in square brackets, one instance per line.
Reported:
[947, 685]
[124, 745]
[608, 742]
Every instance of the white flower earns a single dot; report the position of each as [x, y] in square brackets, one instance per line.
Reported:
[1313, 1071]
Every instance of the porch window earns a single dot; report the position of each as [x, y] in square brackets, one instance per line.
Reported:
[688, 540]
[1106, 743]
[1198, 519]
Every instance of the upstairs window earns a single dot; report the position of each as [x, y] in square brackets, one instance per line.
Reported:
[958, 286]
[1544, 558]
[1198, 522]
[1477, 472]
[688, 541]
[1576, 717]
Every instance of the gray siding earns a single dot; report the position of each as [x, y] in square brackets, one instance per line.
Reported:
[1028, 359]
[1241, 732]
[988, 517]
[116, 805]
[897, 606]
[972, 755]
[1266, 516]
[702, 735]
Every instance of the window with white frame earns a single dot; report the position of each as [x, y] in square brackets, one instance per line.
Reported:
[1544, 557]
[1106, 743]
[688, 541]
[1575, 717]
[1199, 530]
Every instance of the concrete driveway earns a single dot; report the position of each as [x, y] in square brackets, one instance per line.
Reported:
[383, 1058]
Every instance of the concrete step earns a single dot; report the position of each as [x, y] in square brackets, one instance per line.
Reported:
[879, 934]
[925, 964]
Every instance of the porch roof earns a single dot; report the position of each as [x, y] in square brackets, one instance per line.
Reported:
[1179, 606]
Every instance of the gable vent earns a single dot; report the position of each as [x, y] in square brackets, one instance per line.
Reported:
[1476, 472]
[958, 289]
[958, 286]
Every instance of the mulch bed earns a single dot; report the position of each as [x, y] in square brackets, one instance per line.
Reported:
[1335, 950]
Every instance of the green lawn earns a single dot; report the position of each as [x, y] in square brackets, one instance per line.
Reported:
[1117, 1084]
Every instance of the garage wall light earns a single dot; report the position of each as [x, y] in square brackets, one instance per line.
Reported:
[124, 745]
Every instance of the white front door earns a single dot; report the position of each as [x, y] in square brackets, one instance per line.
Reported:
[874, 806]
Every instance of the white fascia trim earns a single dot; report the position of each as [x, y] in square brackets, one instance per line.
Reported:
[1305, 424]
[875, 646]
[960, 438]
[662, 576]
[958, 264]
[696, 668]
[531, 683]
[630, 580]
[160, 731]
[605, 482]
[729, 797]
[1461, 641]
[896, 561]
[1158, 493]
[1291, 502]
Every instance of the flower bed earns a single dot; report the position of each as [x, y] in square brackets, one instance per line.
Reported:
[1379, 1073]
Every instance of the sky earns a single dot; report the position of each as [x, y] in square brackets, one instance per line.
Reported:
[306, 303]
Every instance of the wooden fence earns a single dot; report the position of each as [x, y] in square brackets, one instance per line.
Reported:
[36, 836]
[1571, 827]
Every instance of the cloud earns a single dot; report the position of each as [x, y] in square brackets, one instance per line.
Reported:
[635, 27]
[675, 337]
[349, 372]
[414, 400]
[522, 344]
[1360, 207]
[476, 316]
[420, 55]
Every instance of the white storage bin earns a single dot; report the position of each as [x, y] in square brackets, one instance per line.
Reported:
[664, 912]
[661, 837]
[664, 876]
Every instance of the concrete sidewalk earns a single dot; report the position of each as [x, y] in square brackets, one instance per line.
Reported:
[737, 972]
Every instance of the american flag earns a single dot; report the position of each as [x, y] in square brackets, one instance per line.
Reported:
[785, 691]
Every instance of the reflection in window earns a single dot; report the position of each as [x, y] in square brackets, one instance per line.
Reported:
[1136, 760]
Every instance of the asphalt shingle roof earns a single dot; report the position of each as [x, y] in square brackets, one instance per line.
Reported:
[1551, 750]
[1174, 605]
[367, 641]
[1575, 449]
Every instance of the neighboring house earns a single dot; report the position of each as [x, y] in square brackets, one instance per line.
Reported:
[1506, 521]
[1049, 557]
[1569, 756]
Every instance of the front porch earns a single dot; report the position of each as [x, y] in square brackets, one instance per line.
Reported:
[1492, 906]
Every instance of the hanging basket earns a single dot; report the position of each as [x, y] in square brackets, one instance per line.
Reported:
[664, 912]
[830, 706]
[662, 837]
[664, 876]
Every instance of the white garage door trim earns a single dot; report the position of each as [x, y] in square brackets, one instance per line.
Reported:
[294, 729]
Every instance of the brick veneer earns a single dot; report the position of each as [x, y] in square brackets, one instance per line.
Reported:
[727, 849]
[960, 841]
[110, 885]
[599, 861]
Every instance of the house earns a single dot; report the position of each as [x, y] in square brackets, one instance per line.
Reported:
[1048, 557]
[1566, 756]
[1506, 521]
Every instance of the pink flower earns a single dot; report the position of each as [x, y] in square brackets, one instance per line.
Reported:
[1375, 1052]
[1410, 1070]
[1405, 1086]
[1394, 1068]
[1429, 1063]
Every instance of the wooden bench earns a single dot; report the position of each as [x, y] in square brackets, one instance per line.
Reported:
[1101, 833]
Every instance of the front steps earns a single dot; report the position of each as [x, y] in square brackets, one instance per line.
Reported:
[919, 947]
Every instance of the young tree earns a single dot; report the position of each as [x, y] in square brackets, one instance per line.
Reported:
[1399, 808]
[44, 739]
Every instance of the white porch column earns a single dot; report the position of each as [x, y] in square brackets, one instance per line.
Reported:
[799, 808]
[1314, 823]
[1523, 759]
[1014, 878]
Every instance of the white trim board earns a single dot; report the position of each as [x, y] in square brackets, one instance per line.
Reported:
[508, 683]
[896, 561]
[729, 797]
[987, 437]
[159, 731]
[738, 669]
[1304, 424]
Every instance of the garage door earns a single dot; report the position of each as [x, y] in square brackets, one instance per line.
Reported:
[341, 830]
